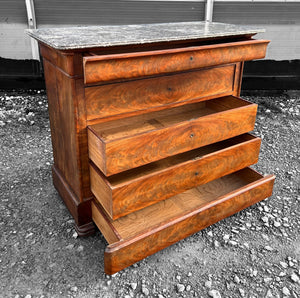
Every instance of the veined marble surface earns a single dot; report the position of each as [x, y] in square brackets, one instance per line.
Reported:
[105, 36]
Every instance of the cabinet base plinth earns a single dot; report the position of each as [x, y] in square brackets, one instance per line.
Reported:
[85, 230]
[81, 211]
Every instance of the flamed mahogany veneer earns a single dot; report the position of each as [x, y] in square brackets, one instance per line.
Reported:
[137, 188]
[119, 145]
[150, 137]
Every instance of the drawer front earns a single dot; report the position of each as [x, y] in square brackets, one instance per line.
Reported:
[127, 144]
[153, 228]
[134, 190]
[105, 68]
[118, 98]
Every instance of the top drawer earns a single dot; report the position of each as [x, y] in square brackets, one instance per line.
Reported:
[105, 68]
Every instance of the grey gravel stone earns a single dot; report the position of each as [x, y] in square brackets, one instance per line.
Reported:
[268, 248]
[267, 279]
[80, 248]
[286, 291]
[145, 291]
[233, 243]
[180, 288]
[236, 279]
[283, 264]
[281, 274]
[214, 294]
[70, 246]
[208, 284]
[242, 292]
[216, 243]
[210, 234]
[277, 224]
[226, 237]
[133, 285]
[295, 277]
[269, 294]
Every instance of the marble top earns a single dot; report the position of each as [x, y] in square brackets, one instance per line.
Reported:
[105, 36]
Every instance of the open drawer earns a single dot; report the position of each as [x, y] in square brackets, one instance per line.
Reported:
[144, 232]
[135, 189]
[103, 68]
[123, 144]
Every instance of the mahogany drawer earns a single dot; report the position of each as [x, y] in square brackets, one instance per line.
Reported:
[137, 235]
[125, 97]
[135, 189]
[123, 144]
[103, 68]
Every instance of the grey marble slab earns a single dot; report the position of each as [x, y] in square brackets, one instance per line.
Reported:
[105, 36]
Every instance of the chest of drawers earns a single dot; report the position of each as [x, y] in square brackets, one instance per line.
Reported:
[150, 137]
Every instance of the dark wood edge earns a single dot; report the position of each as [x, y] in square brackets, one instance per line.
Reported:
[101, 210]
[87, 59]
[81, 211]
[114, 257]
[85, 230]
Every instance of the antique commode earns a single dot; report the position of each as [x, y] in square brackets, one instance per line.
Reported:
[150, 138]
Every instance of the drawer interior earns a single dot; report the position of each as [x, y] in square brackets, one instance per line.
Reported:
[179, 206]
[122, 128]
[173, 161]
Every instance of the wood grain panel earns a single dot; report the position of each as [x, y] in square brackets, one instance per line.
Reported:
[156, 227]
[133, 190]
[146, 138]
[118, 98]
[133, 65]
[62, 123]
[70, 63]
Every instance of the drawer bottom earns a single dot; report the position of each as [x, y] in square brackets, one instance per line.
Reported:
[137, 235]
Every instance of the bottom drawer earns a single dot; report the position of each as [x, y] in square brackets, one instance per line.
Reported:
[144, 232]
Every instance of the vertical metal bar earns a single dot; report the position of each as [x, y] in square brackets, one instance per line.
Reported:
[32, 25]
[209, 6]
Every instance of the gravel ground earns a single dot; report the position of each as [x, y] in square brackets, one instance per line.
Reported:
[255, 253]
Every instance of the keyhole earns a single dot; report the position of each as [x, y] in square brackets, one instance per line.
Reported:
[169, 88]
[191, 135]
[191, 58]
[196, 173]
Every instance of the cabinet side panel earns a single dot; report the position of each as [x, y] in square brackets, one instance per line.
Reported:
[62, 121]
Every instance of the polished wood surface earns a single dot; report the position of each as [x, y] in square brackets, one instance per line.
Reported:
[132, 65]
[146, 138]
[132, 96]
[151, 229]
[156, 132]
[132, 190]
